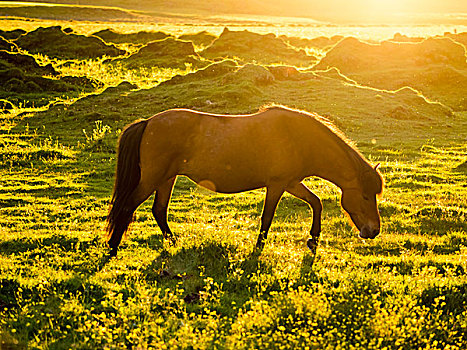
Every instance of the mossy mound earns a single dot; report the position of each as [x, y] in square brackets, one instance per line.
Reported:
[168, 52]
[80, 83]
[8, 45]
[249, 47]
[6, 106]
[54, 42]
[201, 39]
[254, 73]
[353, 55]
[334, 73]
[212, 71]
[23, 81]
[12, 34]
[124, 86]
[35, 91]
[401, 38]
[228, 71]
[168, 47]
[142, 37]
[321, 42]
[419, 107]
[460, 38]
[25, 63]
[436, 67]
[289, 73]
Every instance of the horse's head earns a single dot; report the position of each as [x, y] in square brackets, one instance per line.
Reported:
[360, 203]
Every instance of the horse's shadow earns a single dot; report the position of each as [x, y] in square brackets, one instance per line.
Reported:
[198, 267]
[209, 259]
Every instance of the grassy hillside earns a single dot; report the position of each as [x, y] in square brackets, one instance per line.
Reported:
[406, 289]
[65, 12]
[181, 6]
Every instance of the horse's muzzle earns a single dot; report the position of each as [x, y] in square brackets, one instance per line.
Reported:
[367, 232]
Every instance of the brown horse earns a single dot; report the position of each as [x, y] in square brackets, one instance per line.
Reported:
[276, 148]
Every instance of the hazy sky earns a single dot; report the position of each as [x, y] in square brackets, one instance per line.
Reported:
[331, 10]
[377, 5]
[374, 9]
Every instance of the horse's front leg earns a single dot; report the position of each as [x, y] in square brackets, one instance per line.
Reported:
[302, 192]
[273, 195]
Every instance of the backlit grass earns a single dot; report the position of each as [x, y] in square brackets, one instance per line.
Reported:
[406, 288]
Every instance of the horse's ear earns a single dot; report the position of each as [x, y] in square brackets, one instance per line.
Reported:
[377, 166]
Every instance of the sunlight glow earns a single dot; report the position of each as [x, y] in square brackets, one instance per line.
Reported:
[390, 6]
[384, 10]
[375, 11]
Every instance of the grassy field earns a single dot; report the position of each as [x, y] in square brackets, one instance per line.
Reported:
[407, 289]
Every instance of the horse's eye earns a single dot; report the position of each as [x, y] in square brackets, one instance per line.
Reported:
[365, 197]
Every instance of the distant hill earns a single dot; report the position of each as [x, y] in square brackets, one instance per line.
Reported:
[256, 7]
[66, 12]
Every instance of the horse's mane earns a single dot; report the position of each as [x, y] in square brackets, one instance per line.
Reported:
[320, 119]
[345, 143]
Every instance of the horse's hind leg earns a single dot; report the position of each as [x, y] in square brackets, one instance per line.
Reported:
[273, 195]
[159, 208]
[125, 216]
[302, 192]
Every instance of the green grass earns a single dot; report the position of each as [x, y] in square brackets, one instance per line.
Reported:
[404, 290]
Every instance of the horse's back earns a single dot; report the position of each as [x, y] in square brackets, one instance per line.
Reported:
[233, 153]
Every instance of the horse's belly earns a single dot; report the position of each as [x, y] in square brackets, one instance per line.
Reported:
[225, 177]
[226, 188]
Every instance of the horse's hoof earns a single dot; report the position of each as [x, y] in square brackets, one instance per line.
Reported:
[113, 252]
[259, 246]
[312, 245]
[170, 242]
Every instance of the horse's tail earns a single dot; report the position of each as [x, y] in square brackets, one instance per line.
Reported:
[127, 177]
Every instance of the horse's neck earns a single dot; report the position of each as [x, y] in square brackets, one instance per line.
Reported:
[342, 168]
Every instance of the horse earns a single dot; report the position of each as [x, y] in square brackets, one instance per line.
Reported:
[276, 148]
